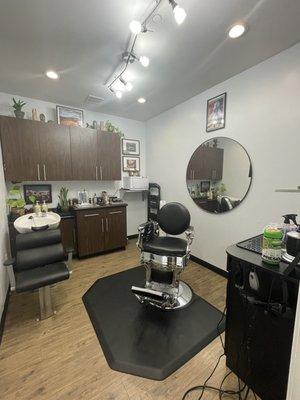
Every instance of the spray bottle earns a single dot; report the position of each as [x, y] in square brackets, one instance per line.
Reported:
[289, 224]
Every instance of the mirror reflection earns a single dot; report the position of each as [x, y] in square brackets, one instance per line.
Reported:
[219, 175]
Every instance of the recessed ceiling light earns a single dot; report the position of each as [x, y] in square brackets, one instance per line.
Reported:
[135, 27]
[52, 74]
[142, 100]
[237, 31]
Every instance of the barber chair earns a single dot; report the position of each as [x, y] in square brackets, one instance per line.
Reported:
[225, 204]
[39, 263]
[165, 257]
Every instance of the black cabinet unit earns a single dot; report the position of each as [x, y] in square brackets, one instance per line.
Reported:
[260, 323]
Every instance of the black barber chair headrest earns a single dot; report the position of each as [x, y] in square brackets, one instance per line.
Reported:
[174, 218]
[38, 239]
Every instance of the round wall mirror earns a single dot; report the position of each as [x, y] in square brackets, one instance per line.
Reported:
[219, 175]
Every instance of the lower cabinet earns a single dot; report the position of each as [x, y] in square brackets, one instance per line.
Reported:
[100, 230]
[68, 234]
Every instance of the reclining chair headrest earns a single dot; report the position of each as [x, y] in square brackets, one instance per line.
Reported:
[32, 240]
[174, 218]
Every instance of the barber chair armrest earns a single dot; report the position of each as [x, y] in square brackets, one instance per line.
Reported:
[9, 262]
[144, 230]
[189, 233]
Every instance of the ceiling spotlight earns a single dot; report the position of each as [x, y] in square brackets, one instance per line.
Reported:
[142, 100]
[52, 74]
[144, 61]
[179, 12]
[119, 94]
[135, 27]
[128, 85]
[237, 31]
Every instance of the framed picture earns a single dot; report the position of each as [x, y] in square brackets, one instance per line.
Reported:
[33, 193]
[131, 147]
[131, 164]
[69, 116]
[216, 113]
[204, 186]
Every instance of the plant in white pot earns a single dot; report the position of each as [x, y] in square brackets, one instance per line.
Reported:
[17, 106]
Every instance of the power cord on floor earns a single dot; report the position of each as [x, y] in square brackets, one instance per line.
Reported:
[221, 391]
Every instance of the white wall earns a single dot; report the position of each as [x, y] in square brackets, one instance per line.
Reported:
[136, 211]
[3, 239]
[262, 115]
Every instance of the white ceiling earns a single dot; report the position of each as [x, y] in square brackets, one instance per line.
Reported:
[84, 40]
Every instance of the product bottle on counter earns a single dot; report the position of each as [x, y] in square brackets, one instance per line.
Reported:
[37, 209]
[272, 244]
[44, 207]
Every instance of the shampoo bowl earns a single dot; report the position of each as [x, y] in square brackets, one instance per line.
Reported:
[30, 222]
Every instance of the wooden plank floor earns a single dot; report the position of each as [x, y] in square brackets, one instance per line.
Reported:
[60, 358]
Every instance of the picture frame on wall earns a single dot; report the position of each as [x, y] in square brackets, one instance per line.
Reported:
[131, 147]
[131, 164]
[40, 192]
[216, 113]
[69, 116]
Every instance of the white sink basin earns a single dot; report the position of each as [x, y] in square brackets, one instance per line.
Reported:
[24, 223]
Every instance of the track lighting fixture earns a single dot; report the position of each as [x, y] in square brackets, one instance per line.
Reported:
[128, 85]
[135, 27]
[179, 12]
[119, 94]
[144, 60]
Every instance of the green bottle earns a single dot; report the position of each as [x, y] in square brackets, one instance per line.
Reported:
[272, 244]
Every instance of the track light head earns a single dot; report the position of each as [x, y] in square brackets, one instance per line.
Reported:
[144, 60]
[128, 85]
[119, 94]
[179, 12]
[135, 27]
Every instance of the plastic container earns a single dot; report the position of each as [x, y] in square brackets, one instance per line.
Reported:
[272, 243]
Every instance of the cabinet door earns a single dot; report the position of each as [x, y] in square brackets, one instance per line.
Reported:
[55, 152]
[20, 149]
[68, 235]
[90, 232]
[194, 165]
[217, 164]
[115, 228]
[84, 154]
[109, 156]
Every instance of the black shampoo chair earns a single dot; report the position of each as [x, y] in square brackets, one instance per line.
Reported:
[165, 257]
[39, 263]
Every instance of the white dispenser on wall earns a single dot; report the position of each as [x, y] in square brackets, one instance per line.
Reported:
[135, 183]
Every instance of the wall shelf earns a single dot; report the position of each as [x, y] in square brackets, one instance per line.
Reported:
[288, 190]
[143, 191]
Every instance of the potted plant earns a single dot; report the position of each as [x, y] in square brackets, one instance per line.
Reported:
[17, 106]
[16, 202]
[114, 129]
[63, 199]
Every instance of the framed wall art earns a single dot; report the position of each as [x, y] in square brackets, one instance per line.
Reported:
[131, 164]
[69, 116]
[216, 113]
[33, 193]
[131, 147]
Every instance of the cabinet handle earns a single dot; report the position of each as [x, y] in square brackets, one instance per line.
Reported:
[96, 172]
[116, 212]
[101, 172]
[106, 224]
[38, 172]
[91, 215]
[102, 225]
[45, 176]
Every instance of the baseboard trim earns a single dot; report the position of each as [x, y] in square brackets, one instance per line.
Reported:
[3, 317]
[133, 236]
[207, 265]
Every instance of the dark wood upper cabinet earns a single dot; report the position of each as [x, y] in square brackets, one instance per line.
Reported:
[35, 151]
[109, 156]
[55, 150]
[20, 150]
[84, 154]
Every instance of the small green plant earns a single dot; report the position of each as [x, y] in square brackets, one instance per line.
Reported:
[18, 105]
[16, 200]
[63, 199]
[114, 129]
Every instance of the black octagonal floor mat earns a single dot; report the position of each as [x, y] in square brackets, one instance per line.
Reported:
[142, 340]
